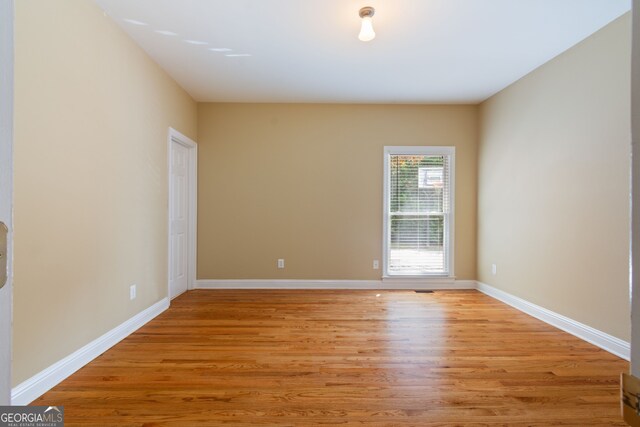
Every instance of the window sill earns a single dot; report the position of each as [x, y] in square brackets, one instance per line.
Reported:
[419, 277]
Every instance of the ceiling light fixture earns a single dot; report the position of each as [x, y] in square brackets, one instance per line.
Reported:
[366, 30]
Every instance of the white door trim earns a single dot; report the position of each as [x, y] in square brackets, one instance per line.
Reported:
[6, 190]
[177, 137]
[635, 192]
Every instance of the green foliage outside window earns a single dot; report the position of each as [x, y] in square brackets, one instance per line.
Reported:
[417, 219]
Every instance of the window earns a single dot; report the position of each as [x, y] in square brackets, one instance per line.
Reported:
[418, 212]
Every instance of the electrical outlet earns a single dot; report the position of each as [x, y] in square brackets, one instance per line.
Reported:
[376, 264]
[281, 263]
[132, 292]
[494, 269]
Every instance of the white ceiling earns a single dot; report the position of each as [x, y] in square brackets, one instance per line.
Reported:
[426, 51]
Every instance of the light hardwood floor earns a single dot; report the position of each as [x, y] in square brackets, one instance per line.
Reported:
[306, 358]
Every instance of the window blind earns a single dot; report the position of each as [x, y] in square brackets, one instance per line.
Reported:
[419, 214]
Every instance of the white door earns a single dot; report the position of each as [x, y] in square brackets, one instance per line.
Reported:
[6, 178]
[179, 219]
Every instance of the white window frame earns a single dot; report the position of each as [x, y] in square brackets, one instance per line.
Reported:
[449, 230]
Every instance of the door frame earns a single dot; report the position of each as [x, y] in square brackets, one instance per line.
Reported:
[176, 137]
[635, 191]
[6, 190]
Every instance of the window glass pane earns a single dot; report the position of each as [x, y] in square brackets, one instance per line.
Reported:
[418, 212]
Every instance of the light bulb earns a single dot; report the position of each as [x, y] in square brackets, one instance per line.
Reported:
[366, 30]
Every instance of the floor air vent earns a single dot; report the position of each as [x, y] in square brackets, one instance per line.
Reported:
[423, 292]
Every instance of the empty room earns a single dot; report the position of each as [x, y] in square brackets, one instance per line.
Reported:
[319, 212]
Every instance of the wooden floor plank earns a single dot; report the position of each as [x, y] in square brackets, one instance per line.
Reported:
[319, 357]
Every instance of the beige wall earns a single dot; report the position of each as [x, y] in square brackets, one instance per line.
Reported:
[92, 113]
[304, 183]
[553, 197]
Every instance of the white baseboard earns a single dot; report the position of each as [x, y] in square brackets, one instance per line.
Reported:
[598, 338]
[285, 284]
[432, 284]
[427, 284]
[36, 386]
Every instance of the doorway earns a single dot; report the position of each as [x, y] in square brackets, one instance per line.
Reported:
[183, 155]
